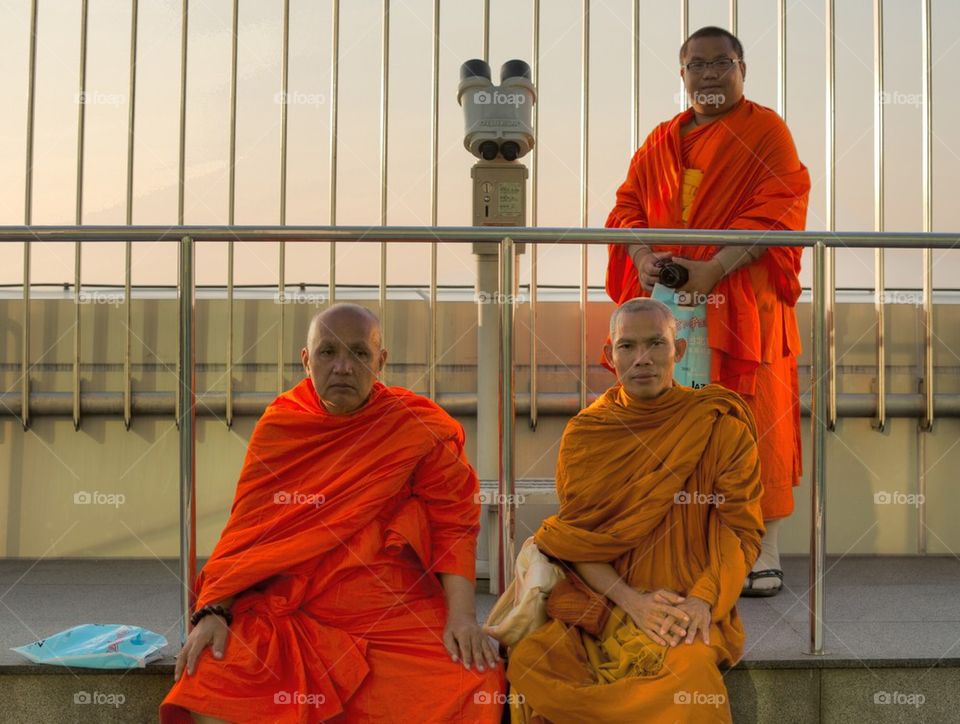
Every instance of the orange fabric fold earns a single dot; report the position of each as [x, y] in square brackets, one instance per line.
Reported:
[667, 491]
[752, 179]
[337, 530]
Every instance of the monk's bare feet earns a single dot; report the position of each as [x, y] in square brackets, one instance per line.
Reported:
[768, 560]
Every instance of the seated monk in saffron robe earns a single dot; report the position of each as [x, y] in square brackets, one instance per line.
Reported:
[728, 163]
[347, 563]
[659, 490]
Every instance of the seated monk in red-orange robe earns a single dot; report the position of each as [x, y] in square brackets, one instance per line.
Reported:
[659, 490]
[728, 163]
[342, 588]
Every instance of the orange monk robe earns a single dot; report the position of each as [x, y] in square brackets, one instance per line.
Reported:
[752, 179]
[339, 526]
[667, 491]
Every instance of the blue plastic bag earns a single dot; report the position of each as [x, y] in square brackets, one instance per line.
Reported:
[97, 646]
[694, 369]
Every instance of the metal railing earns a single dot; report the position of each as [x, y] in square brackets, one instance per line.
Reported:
[822, 338]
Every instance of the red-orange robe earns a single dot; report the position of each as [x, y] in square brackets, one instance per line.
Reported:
[752, 179]
[338, 529]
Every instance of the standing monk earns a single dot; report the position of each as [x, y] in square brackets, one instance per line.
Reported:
[342, 588]
[728, 163]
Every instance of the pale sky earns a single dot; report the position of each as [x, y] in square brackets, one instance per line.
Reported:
[258, 128]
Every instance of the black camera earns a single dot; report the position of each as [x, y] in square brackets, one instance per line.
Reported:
[672, 274]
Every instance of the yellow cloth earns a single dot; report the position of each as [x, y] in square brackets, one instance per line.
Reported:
[691, 182]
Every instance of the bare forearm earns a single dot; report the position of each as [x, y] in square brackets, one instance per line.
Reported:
[603, 579]
[459, 593]
[732, 258]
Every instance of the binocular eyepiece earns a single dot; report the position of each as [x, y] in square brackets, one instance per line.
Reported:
[497, 118]
[672, 275]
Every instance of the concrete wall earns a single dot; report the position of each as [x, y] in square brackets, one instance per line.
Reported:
[44, 468]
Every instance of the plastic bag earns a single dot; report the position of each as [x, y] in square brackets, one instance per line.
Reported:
[97, 646]
[694, 369]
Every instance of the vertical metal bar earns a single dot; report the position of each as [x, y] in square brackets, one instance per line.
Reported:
[734, 16]
[534, 209]
[819, 431]
[880, 420]
[926, 423]
[334, 102]
[128, 246]
[507, 436]
[927, 160]
[486, 30]
[77, 247]
[384, 120]
[782, 58]
[231, 205]
[584, 173]
[281, 262]
[186, 391]
[684, 33]
[831, 203]
[434, 157]
[183, 155]
[28, 219]
[635, 79]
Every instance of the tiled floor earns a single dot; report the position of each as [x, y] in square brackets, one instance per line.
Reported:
[879, 611]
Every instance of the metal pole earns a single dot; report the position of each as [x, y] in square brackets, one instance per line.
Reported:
[507, 436]
[782, 58]
[534, 248]
[384, 135]
[128, 246]
[334, 98]
[434, 157]
[231, 206]
[183, 146]
[831, 202]
[819, 432]
[878, 207]
[281, 262]
[77, 247]
[734, 16]
[927, 100]
[486, 30]
[27, 220]
[185, 393]
[584, 206]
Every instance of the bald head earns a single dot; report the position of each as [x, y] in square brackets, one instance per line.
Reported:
[344, 356]
[643, 304]
[344, 313]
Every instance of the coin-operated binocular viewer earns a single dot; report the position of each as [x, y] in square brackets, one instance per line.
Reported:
[498, 131]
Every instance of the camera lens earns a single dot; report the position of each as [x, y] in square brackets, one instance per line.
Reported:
[475, 68]
[514, 69]
[510, 150]
[488, 149]
[673, 275]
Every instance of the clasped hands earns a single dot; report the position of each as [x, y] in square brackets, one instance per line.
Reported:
[704, 275]
[668, 618]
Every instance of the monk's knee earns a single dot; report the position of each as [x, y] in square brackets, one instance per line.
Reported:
[696, 660]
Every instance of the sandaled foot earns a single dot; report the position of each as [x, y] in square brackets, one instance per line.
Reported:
[751, 591]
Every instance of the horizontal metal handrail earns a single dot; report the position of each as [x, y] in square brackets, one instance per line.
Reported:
[468, 234]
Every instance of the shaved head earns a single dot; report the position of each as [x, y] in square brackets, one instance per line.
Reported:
[347, 312]
[643, 304]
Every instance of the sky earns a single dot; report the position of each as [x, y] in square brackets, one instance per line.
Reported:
[257, 168]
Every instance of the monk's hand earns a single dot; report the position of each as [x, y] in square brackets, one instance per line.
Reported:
[210, 630]
[647, 262]
[658, 615]
[704, 276]
[466, 642]
[699, 612]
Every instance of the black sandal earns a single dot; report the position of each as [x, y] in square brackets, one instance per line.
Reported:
[751, 592]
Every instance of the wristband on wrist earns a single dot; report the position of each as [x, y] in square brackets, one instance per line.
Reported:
[208, 610]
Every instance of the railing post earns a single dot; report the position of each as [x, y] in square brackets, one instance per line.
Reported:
[186, 394]
[507, 434]
[819, 422]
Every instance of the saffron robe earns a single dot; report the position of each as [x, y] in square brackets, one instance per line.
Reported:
[338, 529]
[668, 491]
[751, 179]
